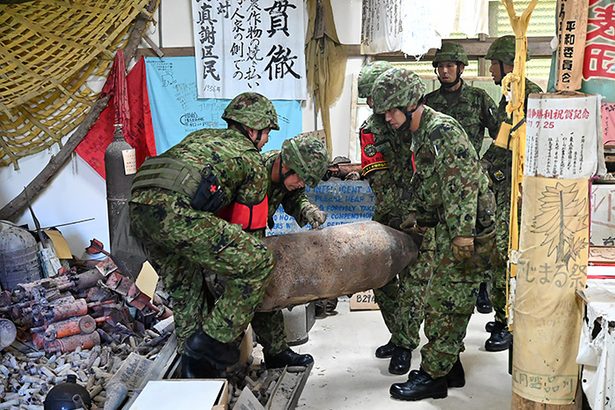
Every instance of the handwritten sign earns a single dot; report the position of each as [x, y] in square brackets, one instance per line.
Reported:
[599, 59]
[249, 46]
[602, 231]
[571, 29]
[562, 136]
[552, 266]
[343, 201]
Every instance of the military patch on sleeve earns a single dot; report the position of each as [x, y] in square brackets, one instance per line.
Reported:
[370, 150]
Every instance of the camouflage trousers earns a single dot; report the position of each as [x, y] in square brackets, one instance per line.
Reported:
[449, 302]
[184, 242]
[269, 331]
[385, 201]
[498, 273]
[401, 300]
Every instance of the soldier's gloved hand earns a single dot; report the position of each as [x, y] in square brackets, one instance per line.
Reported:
[463, 247]
[409, 223]
[314, 216]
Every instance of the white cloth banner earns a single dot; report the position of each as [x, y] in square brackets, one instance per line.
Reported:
[563, 137]
[415, 26]
[597, 348]
[250, 46]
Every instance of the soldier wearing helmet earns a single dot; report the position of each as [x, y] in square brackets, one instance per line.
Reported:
[470, 106]
[499, 162]
[302, 161]
[445, 189]
[386, 171]
[201, 206]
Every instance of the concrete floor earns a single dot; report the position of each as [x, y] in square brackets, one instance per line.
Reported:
[347, 375]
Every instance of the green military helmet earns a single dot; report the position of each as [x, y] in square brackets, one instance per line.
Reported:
[503, 49]
[450, 52]
[397, 88]
[368, 75]
[252, 110]
[307, 156]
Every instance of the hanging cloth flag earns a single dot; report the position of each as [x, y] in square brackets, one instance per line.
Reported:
[129, 106]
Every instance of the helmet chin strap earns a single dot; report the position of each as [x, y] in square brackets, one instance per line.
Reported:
[282, 176]
[246, 134]
[502, 73]
[408, 113]
[449, 85]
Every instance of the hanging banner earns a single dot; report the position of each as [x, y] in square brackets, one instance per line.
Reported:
[599, 60]
[563, 136]
[553, 252]
[250, 46]
[571, 30]
[415, 26]
[176, 111]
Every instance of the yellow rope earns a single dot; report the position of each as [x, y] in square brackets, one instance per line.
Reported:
[515, 81]
[48, 50]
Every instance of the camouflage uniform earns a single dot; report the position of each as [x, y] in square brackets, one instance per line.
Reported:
[499, 163]
[269, 326]
[470, 106]
[401, 297]
[185, 241]
[445, 192]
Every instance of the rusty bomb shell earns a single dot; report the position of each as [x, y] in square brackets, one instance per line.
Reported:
[338, 260]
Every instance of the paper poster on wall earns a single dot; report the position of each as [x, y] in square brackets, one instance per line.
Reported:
[599, 60]
[250, 46]
[552, 266]
[562, 136]
[176, 111]
[343, 201]
[602, 232]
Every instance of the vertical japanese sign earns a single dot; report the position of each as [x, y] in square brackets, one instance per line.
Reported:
[562, 136]
[249, 45]
[599, 61]
[571, 31]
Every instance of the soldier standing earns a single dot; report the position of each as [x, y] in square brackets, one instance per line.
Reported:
[470, 106]
[499, 162]
[382, 180]
[301, 161]
[449, 189]
[195, 208]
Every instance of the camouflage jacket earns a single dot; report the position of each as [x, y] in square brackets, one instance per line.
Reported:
[293, 202]
[396, 150]
[471, 107]
[500, 159]
[449, 176]
[232, 158]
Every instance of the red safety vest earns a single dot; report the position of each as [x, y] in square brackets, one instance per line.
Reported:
[371, 158]
[250, 217]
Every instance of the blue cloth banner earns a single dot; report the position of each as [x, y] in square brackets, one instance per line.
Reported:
[176, 112]
[343, 201]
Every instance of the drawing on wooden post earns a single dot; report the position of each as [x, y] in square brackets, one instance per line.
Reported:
[561, 215]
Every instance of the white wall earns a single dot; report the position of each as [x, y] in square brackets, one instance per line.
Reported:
[78, 192]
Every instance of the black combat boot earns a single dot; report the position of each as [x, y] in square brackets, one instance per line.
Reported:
[193, 368]
[385, 351]
[206, 357]
[420, 385]
[457, 376]
[287, 358]
[500, 339]
[400, 360]
[483, 304]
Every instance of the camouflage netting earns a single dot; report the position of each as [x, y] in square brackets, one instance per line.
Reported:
[48, 49]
